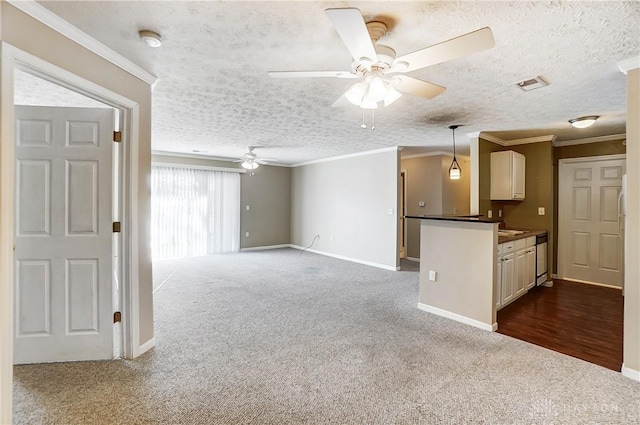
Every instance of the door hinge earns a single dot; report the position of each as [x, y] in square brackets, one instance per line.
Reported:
[116, 227]
[117, 317]
[117, 136]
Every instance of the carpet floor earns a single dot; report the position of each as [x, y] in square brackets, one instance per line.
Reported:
[275, 337]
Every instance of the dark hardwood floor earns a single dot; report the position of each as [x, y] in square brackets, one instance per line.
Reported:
[577, 319]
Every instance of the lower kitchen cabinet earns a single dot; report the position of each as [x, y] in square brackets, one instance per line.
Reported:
[516, 270]
[507, 293]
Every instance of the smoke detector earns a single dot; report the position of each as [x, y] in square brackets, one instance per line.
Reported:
[532, 84]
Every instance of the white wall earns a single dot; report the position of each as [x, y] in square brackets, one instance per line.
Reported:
[349, 199]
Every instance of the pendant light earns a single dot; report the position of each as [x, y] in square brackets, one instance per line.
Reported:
[454, 170]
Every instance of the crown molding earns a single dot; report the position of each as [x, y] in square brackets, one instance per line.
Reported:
[610, 138]
[528, 140]
[351, 155]
[53, 21]
[629, 64]
[493, 139]
[436, 153]
[169, 154]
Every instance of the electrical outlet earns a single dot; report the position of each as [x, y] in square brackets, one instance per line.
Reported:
[500, 213]
[490, 214]
[390, 211]
[248, 208]
[540, 210]
[421, 204]
[246, 235]
[432, 275]
[455, 210]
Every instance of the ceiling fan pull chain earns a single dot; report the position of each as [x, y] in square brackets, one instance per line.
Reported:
[363, 125]
[373, 119]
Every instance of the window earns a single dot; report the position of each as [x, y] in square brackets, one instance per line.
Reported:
[194, 212]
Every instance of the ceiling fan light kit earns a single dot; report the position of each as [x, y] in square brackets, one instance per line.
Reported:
[249, 165]
[373, 63]
[584, 122]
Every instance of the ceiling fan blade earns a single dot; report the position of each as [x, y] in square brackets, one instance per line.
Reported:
[352, 29]
[341, 102]
[447, 50]
[312, 74]
[417, 87]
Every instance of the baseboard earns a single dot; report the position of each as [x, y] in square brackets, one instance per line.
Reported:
[630, 373]
[458, 317]
[147, 346]
[266, 247]
[415, 260]
[342, 257]
[586, 282]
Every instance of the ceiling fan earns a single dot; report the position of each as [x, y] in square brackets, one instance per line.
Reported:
[251, 161]
[380, 73]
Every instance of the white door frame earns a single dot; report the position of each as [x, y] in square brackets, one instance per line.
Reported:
[562, 242]
[14, 58]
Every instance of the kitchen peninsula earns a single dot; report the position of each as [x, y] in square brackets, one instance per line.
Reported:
[458, 268]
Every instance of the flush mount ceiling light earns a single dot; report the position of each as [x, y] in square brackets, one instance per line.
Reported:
[584, 122]
[454, 170]
[150, 38]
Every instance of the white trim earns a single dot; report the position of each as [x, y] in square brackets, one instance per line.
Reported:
[415, 260]
[53, 21]
[629, 64]
[592, 159]
[350, 155]
[458, 318]
[587, 282]
[630, 373]
[421, 155]
[7, 184]
[198, 167]
[209, 157]
[437, 153]
[493, 139]
[343, 257]
[528, 140]
[147, 346]
[265, 247]
[613, 137]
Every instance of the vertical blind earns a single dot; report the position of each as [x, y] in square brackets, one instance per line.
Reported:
[194, 212]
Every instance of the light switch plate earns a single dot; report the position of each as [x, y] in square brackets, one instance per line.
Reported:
[489, 214]
[540, 210]
[432, 275]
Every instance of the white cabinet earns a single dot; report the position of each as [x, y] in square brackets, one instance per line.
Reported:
[507, 176]
[530, 267]
[506, 272]
[516, 270]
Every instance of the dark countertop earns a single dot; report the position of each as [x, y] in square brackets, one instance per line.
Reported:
[527, 234]
[465, 218]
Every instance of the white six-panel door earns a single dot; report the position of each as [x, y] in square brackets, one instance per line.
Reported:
[63, 234]
[589, 244]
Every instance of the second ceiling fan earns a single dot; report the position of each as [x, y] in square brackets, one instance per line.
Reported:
[380, 73]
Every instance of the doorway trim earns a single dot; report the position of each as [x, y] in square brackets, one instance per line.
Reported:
[561, 213]
[14, 58]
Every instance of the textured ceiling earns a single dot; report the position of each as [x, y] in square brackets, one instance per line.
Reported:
[215, 96]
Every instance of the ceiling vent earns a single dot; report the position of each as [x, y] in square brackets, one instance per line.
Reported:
[531, 84]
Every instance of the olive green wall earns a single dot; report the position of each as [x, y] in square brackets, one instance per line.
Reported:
[538, 190]
[613, 147]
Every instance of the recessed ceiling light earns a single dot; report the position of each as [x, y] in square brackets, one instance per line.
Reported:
[150, 38]
[584, 122]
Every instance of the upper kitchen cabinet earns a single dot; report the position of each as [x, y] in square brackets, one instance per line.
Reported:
[507, 176]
